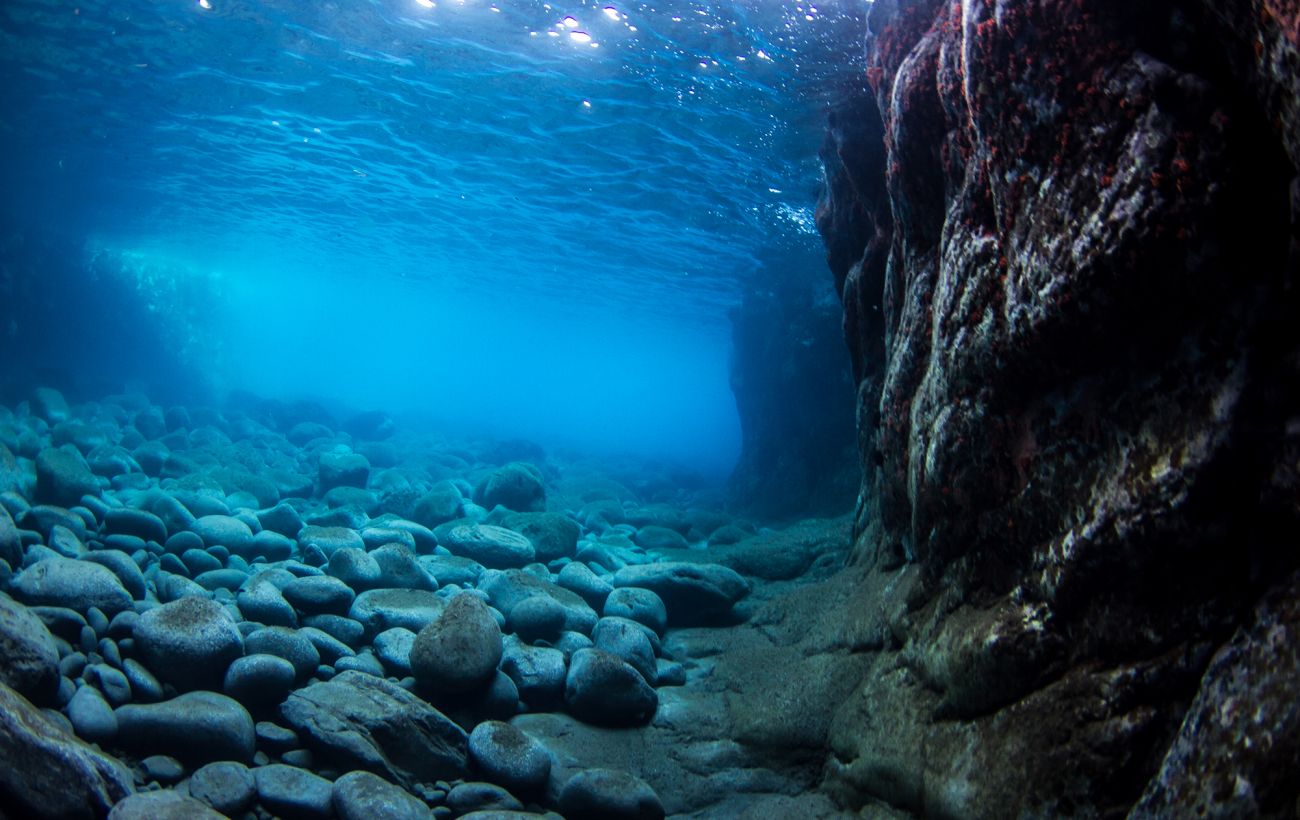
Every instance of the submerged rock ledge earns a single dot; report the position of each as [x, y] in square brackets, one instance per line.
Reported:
[1065, 239]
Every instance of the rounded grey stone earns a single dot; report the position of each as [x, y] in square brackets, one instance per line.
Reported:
[319, 594]
[329, 539]
[91, 716]
[603, 689]
[467, 798]
[199, 561]
[163, 769]
[459, 651]
[261, 601]
[492, 546]
[286, 643]
[272, 737]
[63, 477]
[76, 585]
[164, 804]
[510, 757]
[361, 795]
[226, 786]
[141, 523]
[259, 680]
[124, 567]
[197, 727]
[399, 569]
[627, 640]
[516, 486]
[292, 792]
[393, 648]
[364, 661]
[189, 643]
[608, 794]
[540, 617]
[355, 567]
[381, 609]
[538, 673]
[330, 647]
[145, 687]
[579, 578]
[224, 530]
[693, 593]
[114, 684]
[640, 605]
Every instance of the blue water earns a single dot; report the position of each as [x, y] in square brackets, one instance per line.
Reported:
[486, 214]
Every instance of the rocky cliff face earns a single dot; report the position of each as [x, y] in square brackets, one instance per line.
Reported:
[1065, 239]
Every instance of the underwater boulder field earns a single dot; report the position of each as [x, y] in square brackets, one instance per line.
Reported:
[450, 408]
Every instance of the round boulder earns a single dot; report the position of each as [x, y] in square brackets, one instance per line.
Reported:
[438, 506]
[189, 642]
[197, 728]
[608, 794]
[603, 689]
[538, 673]
[640, 605]
[164, 804]
[226, 786]
[288, 791]
[259, 680]
[224, 530]
[537, 618]
[459, 651]
[509, 757]
[383, 609]
[363, 796]
[493, 547]
[399, 569]
[319, 594]
[627, 640]
[76, 585]
[286, 643]
[342, 470]
[63, 477]
[517, 486]
[354, 567]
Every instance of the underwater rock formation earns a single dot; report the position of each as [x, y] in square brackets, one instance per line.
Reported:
[1065, 239]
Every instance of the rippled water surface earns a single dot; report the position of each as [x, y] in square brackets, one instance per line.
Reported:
[634, 160]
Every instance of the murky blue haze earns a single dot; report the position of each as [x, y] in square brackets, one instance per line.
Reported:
[520, 218]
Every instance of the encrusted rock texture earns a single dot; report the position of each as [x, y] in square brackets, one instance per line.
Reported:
[1065, 239]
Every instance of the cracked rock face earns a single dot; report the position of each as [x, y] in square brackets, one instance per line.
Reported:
[1064, 236]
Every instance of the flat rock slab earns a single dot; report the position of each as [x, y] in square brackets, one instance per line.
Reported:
[47, 773]
[493, 547]
[358, 721]
[693, 593]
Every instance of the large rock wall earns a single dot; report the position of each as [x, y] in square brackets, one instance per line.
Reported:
[1065, 239]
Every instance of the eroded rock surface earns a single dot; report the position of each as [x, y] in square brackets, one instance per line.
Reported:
[1064, 236]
